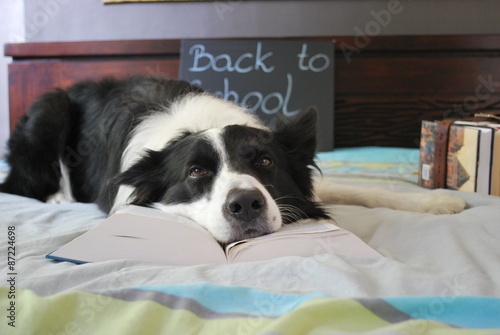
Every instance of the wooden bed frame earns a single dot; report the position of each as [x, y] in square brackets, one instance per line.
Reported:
[384, 86]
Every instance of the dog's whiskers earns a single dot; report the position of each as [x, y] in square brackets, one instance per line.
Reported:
[288, 196]
[291, 213]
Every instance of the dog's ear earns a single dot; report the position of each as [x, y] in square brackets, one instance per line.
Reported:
[147, 176]
[298, 137]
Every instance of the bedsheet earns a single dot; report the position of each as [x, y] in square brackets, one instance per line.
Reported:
[433, 267]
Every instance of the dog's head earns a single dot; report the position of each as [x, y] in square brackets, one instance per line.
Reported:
[237, 182]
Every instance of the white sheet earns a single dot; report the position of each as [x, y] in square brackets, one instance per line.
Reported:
[448, 255]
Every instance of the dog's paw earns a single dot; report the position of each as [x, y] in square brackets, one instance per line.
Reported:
[442, 204]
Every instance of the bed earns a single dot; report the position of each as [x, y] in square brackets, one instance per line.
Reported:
[439, 274]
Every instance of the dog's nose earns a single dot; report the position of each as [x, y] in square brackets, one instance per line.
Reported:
[245, 205]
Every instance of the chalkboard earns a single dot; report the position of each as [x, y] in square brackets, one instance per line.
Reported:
[274, 79]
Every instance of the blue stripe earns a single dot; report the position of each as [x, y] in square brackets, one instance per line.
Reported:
[371, 155]
[236, 299]
[463, 312]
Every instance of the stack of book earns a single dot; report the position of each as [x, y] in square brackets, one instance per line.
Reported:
[472, 156]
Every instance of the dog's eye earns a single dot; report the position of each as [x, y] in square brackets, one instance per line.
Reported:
[198, 172]
[264, 162]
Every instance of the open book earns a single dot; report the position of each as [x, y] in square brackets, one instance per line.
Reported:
[149, 234]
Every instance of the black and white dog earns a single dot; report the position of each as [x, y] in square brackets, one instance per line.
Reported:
[158, 142]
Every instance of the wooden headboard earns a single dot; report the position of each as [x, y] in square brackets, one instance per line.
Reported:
[384, 86]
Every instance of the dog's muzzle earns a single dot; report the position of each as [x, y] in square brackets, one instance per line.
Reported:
[246, 209]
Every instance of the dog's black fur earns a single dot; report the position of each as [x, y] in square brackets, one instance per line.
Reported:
[88, 126]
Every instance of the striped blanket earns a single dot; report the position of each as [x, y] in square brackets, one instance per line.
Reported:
[372, 164]
[205, 308]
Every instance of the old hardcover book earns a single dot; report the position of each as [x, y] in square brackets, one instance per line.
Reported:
[427, 149]
[462, 158]
[488, 171]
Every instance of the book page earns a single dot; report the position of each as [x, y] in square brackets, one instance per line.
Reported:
[301, 239]
[160, 214]
[302, 227]
[151, 238]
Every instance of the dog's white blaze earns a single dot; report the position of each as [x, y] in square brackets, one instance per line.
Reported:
[208, 210]
[192, 113]
[226, 181]
[195, 112]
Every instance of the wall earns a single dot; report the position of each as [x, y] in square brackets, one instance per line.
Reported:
[70, 20]
[67, 20]
[11, 30]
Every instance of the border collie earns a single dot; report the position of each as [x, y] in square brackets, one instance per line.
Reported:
[157, 142]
